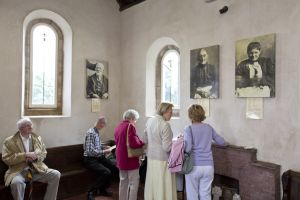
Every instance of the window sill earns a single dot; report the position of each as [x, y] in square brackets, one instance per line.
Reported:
[47, 116]
[172, 118]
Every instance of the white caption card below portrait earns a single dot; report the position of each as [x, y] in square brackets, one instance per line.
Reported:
[205, 105]
[95, 105]
[254, 108]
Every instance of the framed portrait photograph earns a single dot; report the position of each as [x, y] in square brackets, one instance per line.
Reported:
[204, 73]
[255, 67]
[96, 79]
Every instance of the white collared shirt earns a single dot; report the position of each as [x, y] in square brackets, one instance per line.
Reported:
[26, 142]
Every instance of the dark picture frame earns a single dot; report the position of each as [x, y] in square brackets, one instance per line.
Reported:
[255, 67]
[97, 79]
[204, 72]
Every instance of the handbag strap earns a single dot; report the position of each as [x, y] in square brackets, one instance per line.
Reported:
[191, 135]
[127, 143]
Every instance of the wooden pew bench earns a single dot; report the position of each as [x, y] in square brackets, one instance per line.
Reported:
[75, 178]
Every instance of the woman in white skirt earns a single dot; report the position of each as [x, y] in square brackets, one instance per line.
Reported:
[160, 182]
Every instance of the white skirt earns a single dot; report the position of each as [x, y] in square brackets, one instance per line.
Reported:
[160, 182]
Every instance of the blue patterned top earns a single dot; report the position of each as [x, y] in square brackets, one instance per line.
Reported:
[92, 144]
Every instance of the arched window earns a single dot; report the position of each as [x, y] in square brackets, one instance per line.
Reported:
[47, 65]
[43, 68]
[167, 77]
[169, 67]
[43, 84]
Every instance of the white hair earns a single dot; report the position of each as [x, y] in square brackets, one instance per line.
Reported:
[101, 65]
[22, 122]
[101, 120]
[131, 115]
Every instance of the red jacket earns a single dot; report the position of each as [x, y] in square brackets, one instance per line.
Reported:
[123, 162]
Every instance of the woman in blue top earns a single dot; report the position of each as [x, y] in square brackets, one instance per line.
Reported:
[198, 139]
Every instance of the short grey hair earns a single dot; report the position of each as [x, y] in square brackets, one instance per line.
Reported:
[101, 120]
[131, 115]
[23, 122]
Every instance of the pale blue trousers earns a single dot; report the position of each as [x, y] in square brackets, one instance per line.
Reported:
[198, 183]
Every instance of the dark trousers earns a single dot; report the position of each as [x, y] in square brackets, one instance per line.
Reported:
[103, 169]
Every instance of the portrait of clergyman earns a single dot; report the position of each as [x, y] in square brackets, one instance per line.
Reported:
[204, 69]
[255, 67]
[97, 79]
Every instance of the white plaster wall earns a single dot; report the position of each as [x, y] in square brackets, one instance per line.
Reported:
[96, 30]
[193, 24]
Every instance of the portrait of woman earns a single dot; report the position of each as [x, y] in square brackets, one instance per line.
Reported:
[204, 73]
[255, 67]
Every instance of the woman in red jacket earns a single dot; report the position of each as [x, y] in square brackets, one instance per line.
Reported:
[128, 167]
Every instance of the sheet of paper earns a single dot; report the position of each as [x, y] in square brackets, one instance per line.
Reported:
[254, 108]
[205, 105]
[253, 92]
[95, 105]
[112, 147]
